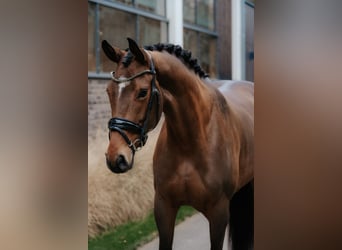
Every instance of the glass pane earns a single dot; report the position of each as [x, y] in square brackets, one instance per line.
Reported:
[151, 31]
[207, 54]
[155, 6]
[127, 2]
[115, 27]
[205, 13]
[189, 11]
[190, 42]
[91, 37]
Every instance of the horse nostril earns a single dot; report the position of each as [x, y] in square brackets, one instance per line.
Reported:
[120, 165]
[121, 162]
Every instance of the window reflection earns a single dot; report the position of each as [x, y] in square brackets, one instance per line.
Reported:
[190, 41]
[189, 11]
[155, 6]
[127, 2]
[200, 12]
[205, 13]
[199, 15]
[115, 26]
[207, 48]
[203, 47]
[151, 31]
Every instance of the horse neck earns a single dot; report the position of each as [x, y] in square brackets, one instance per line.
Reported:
[187, 101]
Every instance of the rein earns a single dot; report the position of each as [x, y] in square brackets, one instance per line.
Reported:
[121, 125]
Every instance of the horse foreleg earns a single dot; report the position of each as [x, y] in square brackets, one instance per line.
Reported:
[218, 216]
[165, 216]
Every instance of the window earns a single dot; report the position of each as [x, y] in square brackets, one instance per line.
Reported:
[207, 48]
[199, 32]
[190, 41]
[189, 11]
[114, 21]
[112, 30]
[199, 12]
[155, 6]
[151, 31]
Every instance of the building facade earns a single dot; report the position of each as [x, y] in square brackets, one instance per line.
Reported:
[205, 27]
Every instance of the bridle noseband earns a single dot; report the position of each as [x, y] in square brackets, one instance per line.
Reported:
[121, 125]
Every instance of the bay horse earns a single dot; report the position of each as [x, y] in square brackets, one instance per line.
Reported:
[205, 150]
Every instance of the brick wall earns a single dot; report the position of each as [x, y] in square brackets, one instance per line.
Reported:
[98, 107]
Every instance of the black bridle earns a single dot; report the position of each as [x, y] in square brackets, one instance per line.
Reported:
[121, 125]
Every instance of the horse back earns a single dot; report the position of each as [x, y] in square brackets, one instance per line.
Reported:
[239, 96]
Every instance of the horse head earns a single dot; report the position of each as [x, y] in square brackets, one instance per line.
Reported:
[136, 103]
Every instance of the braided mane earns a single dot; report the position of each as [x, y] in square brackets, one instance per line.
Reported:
[181, 53]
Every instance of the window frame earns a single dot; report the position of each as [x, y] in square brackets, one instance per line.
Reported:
[120, 7]
[200, 29]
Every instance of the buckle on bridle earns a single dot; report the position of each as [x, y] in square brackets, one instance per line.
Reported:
[141, 142]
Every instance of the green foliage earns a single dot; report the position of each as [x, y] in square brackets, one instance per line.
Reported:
[184, 212]
[133, 234]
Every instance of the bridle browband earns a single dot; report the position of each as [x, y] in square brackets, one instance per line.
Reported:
[118, 80]
[121, 125]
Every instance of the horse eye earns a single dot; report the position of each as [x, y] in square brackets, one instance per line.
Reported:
[142, 93]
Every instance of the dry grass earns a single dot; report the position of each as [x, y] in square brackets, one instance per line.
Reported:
[114, 199]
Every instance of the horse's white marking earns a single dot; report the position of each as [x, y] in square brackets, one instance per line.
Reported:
[122, 85]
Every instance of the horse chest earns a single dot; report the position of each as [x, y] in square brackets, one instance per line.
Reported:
[184, 185]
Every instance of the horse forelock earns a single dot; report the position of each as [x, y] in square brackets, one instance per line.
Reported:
[127, 59]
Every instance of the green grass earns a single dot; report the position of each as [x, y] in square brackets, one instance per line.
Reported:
[133, 234]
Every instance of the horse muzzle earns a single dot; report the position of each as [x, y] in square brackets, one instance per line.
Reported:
[119, 166]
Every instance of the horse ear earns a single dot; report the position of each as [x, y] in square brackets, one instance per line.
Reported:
[110, 52]
[136, 51]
